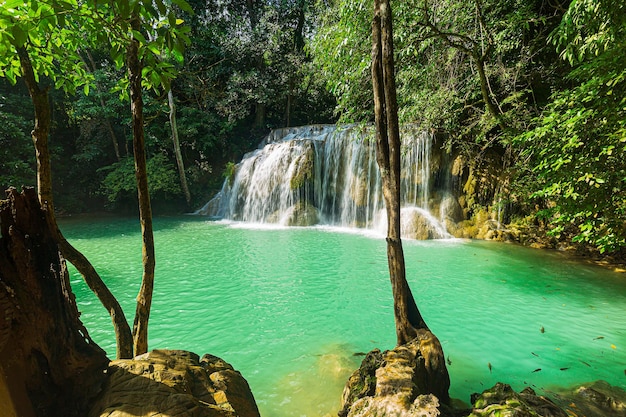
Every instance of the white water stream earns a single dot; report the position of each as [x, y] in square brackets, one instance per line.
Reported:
[328, 175]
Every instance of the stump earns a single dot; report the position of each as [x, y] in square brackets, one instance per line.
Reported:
[49, 366]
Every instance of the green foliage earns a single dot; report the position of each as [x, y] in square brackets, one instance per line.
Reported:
[17, 166]
[229, 171]
[437, 46]
[341, 51]
[578, 148]
[51, 32]
[589, 28]
[119, 181]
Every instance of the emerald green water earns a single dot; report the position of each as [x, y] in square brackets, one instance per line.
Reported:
[289, 308]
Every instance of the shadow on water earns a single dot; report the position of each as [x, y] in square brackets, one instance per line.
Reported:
[109, 226]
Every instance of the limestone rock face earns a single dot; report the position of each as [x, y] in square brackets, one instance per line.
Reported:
[396, 406]
[397, 383]
[174, 384]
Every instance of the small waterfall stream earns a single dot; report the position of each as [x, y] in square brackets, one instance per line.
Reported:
[328, 175]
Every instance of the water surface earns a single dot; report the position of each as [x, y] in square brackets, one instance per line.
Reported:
[292, 308]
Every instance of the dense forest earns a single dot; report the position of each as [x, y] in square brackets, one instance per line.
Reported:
[539, 84]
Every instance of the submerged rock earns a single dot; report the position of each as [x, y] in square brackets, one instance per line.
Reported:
[502, 400]
[597, 399]
[594, 399]
[174, 383]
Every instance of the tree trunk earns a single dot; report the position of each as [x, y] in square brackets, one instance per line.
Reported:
[259, 116]
[409, 322]
[107, 121]
[484, 90]
[49, 366]
[408, 317]
[144, 298]
[40, 134]
[177, 153]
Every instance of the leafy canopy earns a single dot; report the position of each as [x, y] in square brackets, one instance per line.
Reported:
[578, 147]
[54, 31]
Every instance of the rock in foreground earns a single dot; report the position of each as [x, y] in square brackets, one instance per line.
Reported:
[174, 383]
[398, 382]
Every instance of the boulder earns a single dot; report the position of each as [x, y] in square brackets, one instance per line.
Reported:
[301, 214]
[402, 382]
[174, 384]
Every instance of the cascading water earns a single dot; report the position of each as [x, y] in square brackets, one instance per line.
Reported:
[328, 175]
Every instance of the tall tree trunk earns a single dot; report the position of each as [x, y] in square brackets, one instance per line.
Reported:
[40, 134]
[409, 322]
[107, 121]
[492, 108]
[144, 298]
[49, 366]
[408, 317]
[259, 116]
[177, 153]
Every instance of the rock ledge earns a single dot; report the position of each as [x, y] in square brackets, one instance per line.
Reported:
[174, 383]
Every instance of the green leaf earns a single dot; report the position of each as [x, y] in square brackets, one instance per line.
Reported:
[137, 35]
[19, 35]
[184, 6]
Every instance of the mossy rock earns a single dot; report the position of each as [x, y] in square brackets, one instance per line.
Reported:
[301, 214]
[502, 401]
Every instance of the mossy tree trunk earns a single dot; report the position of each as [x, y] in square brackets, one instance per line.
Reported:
[40, 135]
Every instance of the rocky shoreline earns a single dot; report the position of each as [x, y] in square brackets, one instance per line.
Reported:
[387, 385]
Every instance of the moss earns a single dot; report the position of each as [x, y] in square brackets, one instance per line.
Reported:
[304, 170]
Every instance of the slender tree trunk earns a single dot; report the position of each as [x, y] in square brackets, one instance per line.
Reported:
[40, 134]
[289, 104]
[408, 317]
[177, 153]
[409, 322]
[107, 121]
[484, 89]
[259, 117]
[144, 298]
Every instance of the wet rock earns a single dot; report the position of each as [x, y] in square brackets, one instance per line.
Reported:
[417, 223]
[301, 214]
[402, 382]
[595, 399]
[362, 382]
[174, 384]
[396, 406]
[502, 400]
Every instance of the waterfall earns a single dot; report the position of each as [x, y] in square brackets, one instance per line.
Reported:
[328, 175]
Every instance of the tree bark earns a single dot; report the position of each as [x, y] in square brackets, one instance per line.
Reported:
[49, 366]
[144, 298]
[407, 316]
[177, 153]
[40, 135]
[484, 90]
[107, 121]
[409, 322]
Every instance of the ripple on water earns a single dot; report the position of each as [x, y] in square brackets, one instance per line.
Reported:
[290, 307]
